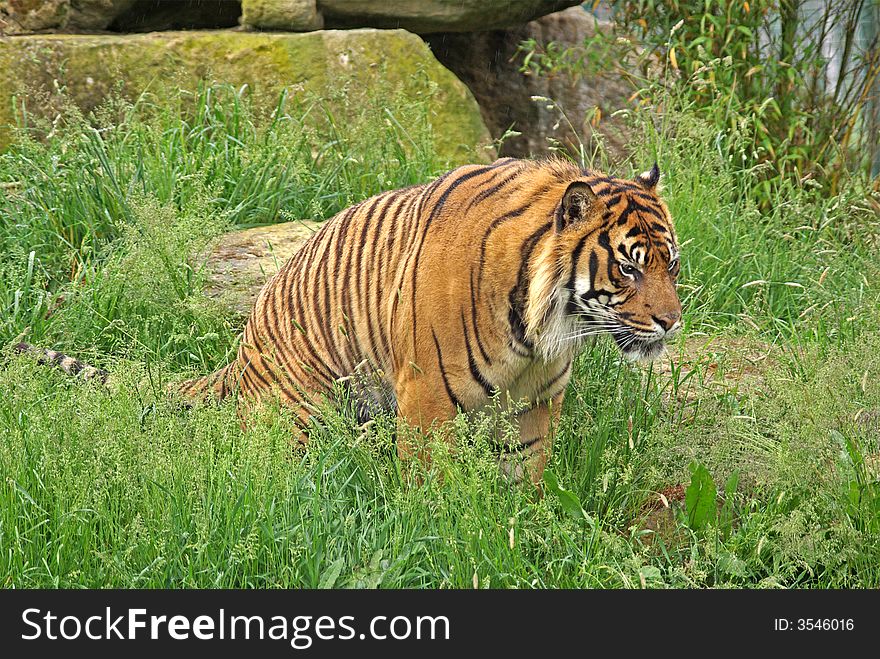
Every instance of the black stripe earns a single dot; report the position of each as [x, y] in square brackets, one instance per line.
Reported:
[592, 291]
[332, 277]
[485, 194]
[605, 243]
[455, 401]
[575, 257]
[245, 379]
[349, 280]
[476, 324]
[644, 196]
[249, 366]
[413, 227]
[615, 185]
[571, 307]
[488, 388]
[413, 192]
[617, 188]
[429, 192]
[611, 203]
[542, 396]
[526, 250]
[394, 229]
[492, 226]
[634, 206]
[362, 282]
[224, 381]
[659, 227]
[517, 326]
[519, 293]
[594, 268]
[272, 381]
[295, 312]
[337, 289]
[380, 259]
[396, 288]
[259, 374]
[435, 210]
[321, 298]
[280, 347]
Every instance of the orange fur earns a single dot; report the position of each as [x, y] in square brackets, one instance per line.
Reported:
[433, 299]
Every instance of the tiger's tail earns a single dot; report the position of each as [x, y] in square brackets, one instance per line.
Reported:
[218, 385]
[70, 365]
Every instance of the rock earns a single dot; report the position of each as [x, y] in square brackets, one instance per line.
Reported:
[90, 67]
[488, 64]
[25, 16]
[427, 16]
[96, 14]
[242, 261]
[420, 16]
[29, 16]
[295, 15]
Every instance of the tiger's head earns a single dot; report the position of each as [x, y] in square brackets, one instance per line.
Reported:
[614, 265]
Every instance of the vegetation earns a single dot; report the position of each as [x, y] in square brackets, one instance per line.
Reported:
[750, 460]
[797, 80]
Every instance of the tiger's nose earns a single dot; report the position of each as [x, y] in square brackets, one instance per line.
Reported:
[668, 320]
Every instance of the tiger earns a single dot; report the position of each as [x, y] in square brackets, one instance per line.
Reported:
[478, 288]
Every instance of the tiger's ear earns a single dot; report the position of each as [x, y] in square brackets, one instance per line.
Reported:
[576, 202]
[650, 178]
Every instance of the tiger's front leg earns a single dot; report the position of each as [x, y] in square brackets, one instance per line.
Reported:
[537, 426]
[421, 407]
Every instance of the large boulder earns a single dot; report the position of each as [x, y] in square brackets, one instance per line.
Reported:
[427, 16]
[488, 63]
[25, 16]
[294, 15]
[420, 16]
[90, 67]
[29, 16]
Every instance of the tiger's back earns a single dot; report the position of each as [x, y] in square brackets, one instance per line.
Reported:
[352, 298]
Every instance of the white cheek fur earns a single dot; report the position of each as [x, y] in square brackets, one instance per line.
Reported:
[581, 285]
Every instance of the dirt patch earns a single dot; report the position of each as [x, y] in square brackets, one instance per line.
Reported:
[723, 364]
[659, 516]
[719, 365]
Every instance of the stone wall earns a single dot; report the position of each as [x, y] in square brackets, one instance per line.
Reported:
[429, 16]
[419, 16]
[90, 67]
[476, 39]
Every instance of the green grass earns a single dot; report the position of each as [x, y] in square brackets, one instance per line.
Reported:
[776, 392]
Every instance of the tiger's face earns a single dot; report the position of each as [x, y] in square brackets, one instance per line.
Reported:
[625, 262]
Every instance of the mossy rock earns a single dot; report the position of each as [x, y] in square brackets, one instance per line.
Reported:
[25, 16]
[428, 16]
[91, 67]
[294, 15]
[241, 262]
